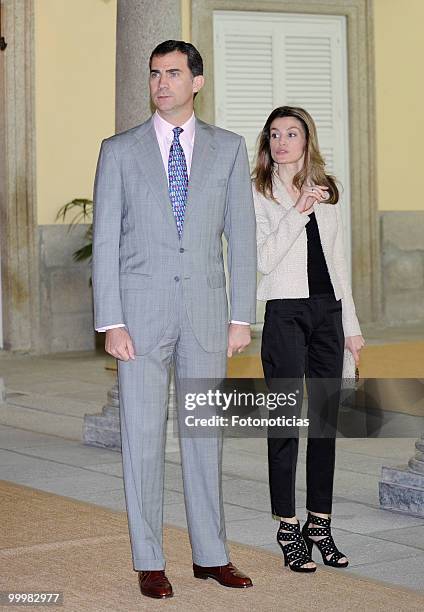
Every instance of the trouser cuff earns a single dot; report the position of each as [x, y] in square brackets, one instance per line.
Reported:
[211, 562]
[146, 565]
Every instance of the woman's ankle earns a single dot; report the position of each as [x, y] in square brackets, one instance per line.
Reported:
[323, 515]
[292, 520]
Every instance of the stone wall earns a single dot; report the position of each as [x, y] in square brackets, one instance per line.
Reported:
[402, 243]
[66, 300]
[66, 305]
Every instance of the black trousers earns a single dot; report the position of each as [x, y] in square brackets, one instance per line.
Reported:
[304, 337]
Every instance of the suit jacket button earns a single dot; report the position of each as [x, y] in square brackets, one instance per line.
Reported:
[176, 279]
[181, 250]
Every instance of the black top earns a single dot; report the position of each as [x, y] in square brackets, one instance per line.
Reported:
[318, 276]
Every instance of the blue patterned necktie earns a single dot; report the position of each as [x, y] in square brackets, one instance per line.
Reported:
[178, 179]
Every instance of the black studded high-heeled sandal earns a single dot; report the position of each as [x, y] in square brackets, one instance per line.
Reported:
[294, 548]
[326, 545]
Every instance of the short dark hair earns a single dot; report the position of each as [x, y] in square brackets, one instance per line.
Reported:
[194, 59]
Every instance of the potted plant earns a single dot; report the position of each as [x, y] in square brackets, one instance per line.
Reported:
[83, 211]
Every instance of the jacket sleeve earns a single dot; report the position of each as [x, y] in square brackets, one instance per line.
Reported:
[108, 203]
[274, 244]
[240, 232]
[350, 320]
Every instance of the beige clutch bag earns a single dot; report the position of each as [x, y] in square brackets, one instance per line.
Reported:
[350, 375]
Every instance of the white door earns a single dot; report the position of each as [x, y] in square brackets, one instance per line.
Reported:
[265, 60]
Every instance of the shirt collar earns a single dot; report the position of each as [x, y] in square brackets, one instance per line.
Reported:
[165, 128]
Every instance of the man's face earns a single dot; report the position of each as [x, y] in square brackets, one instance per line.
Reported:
[172, 84]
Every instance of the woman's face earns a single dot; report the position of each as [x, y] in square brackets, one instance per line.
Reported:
[287, 140]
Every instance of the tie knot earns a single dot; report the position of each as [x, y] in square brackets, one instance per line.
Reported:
[177, 131]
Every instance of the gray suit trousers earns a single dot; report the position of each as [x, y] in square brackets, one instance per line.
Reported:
[143, 387]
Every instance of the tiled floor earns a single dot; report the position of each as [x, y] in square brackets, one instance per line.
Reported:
[380, 544]
[62, 388]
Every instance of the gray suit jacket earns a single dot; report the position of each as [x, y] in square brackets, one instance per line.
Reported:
[138, 258]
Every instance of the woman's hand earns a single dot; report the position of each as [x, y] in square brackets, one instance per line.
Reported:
[309, 194]
[354, 344]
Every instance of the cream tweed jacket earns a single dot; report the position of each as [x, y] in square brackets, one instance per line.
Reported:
[282, 251]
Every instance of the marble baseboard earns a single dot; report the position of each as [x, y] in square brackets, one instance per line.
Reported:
[402, 490]
[102, 431]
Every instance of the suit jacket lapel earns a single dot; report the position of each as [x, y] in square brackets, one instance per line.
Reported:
[203, 158]
[150, 161]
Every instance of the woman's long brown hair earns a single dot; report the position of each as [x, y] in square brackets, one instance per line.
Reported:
[313, 167]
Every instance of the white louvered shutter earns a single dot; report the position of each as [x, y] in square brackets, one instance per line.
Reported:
[265, 60]
[244, 86]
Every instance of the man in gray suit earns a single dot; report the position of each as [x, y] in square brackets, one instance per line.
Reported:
[165, 192]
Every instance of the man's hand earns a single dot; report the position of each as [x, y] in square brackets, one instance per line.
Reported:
[238, 338]
[118, 343]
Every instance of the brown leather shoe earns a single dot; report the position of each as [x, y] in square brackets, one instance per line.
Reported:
[154, 583]
[227, 575]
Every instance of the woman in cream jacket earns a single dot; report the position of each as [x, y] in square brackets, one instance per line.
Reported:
[310, 318]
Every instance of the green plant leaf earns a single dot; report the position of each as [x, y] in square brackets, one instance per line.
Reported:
[85, 252]
[82, 209]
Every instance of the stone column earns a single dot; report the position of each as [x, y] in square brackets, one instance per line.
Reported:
[18, 214]
[416, 463]
[402, 487]
[141, 25]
